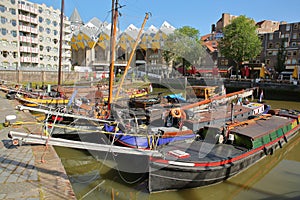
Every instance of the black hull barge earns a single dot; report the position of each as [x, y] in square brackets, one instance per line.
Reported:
[214, 158]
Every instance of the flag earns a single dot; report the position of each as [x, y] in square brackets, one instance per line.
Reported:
[295, 72]
[150, 88]
[261, 96]
[262, 72]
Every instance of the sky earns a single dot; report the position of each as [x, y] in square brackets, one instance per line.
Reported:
[199, 14]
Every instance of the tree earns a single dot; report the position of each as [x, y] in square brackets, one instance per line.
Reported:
[281, 57]
[241, 42]
[183, 46]
[189, 32]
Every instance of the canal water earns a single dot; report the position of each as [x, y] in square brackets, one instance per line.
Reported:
[275, 177]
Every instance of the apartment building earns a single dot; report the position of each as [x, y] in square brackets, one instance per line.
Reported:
[287, 38]
[274, 36]
[30, 35]
[91, 44]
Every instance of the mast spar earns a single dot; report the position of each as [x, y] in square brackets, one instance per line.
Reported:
[60, 41]
[115, 14]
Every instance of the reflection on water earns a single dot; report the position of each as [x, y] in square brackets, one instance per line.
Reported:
[275, 177]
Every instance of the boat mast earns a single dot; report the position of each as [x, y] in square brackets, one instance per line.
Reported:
[132, 53]
[60, 41]
[115, 14]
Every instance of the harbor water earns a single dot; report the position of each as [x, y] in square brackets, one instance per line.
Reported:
[275, 177]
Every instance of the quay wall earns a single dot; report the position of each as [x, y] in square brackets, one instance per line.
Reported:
[273, 90]
[41, 76]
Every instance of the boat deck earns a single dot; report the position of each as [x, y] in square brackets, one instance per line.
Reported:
[201, 151]
[193, 151]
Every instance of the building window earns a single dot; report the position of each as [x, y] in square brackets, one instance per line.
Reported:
[48, 30]
[13, 1]
[55, 32]
[270, 45]
[41, 38]
[14, 44]
[271, 36]
[41, 47]
[47, 12]
[41, 57]
[269, 53]
[268, 62]
[12, 11]
[54, 23]
[2, 8]
[48, 21]
[15, 54]
[41, 19]
[294, 44]
[294, 36]
[3, 31]
[3, 20]
[42, 65]
[288, 61]
[5, 54]
[41, 29]
[287, 35]
[294, 61]
[14, 22]
[40, 9]
[15, 65]
[295, 26]
[48, 49]
[48, 39]
[13, 33]
[288, 27]
[4, 43]
[5, 64]
[289, 53]
[55, 41]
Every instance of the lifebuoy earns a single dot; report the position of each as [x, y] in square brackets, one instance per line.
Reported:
[176, 113]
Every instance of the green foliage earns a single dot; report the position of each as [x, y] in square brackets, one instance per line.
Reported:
[281, 57]
[183, 46]
[145, 78]
[189, 32]
[241, 41]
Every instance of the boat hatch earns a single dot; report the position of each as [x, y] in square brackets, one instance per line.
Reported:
[179, 154]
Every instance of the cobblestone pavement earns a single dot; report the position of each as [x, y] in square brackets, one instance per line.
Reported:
[22, 174]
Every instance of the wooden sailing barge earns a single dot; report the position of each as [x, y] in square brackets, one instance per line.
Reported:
[194, 163]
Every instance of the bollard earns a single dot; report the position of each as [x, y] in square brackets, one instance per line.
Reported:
[9, 119]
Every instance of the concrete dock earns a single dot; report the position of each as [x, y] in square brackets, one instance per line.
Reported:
[23, 175]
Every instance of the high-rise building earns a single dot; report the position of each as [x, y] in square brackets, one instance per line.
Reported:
[30, 35]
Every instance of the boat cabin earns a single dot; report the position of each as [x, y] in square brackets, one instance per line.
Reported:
[260, 132]
[202, 92]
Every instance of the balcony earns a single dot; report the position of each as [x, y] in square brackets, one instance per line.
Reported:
[29, 49]
[29, 60]
[28, 40]
[65, 46]
[66, 55]
[28, 19]
[28, 9]
[28, 29]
